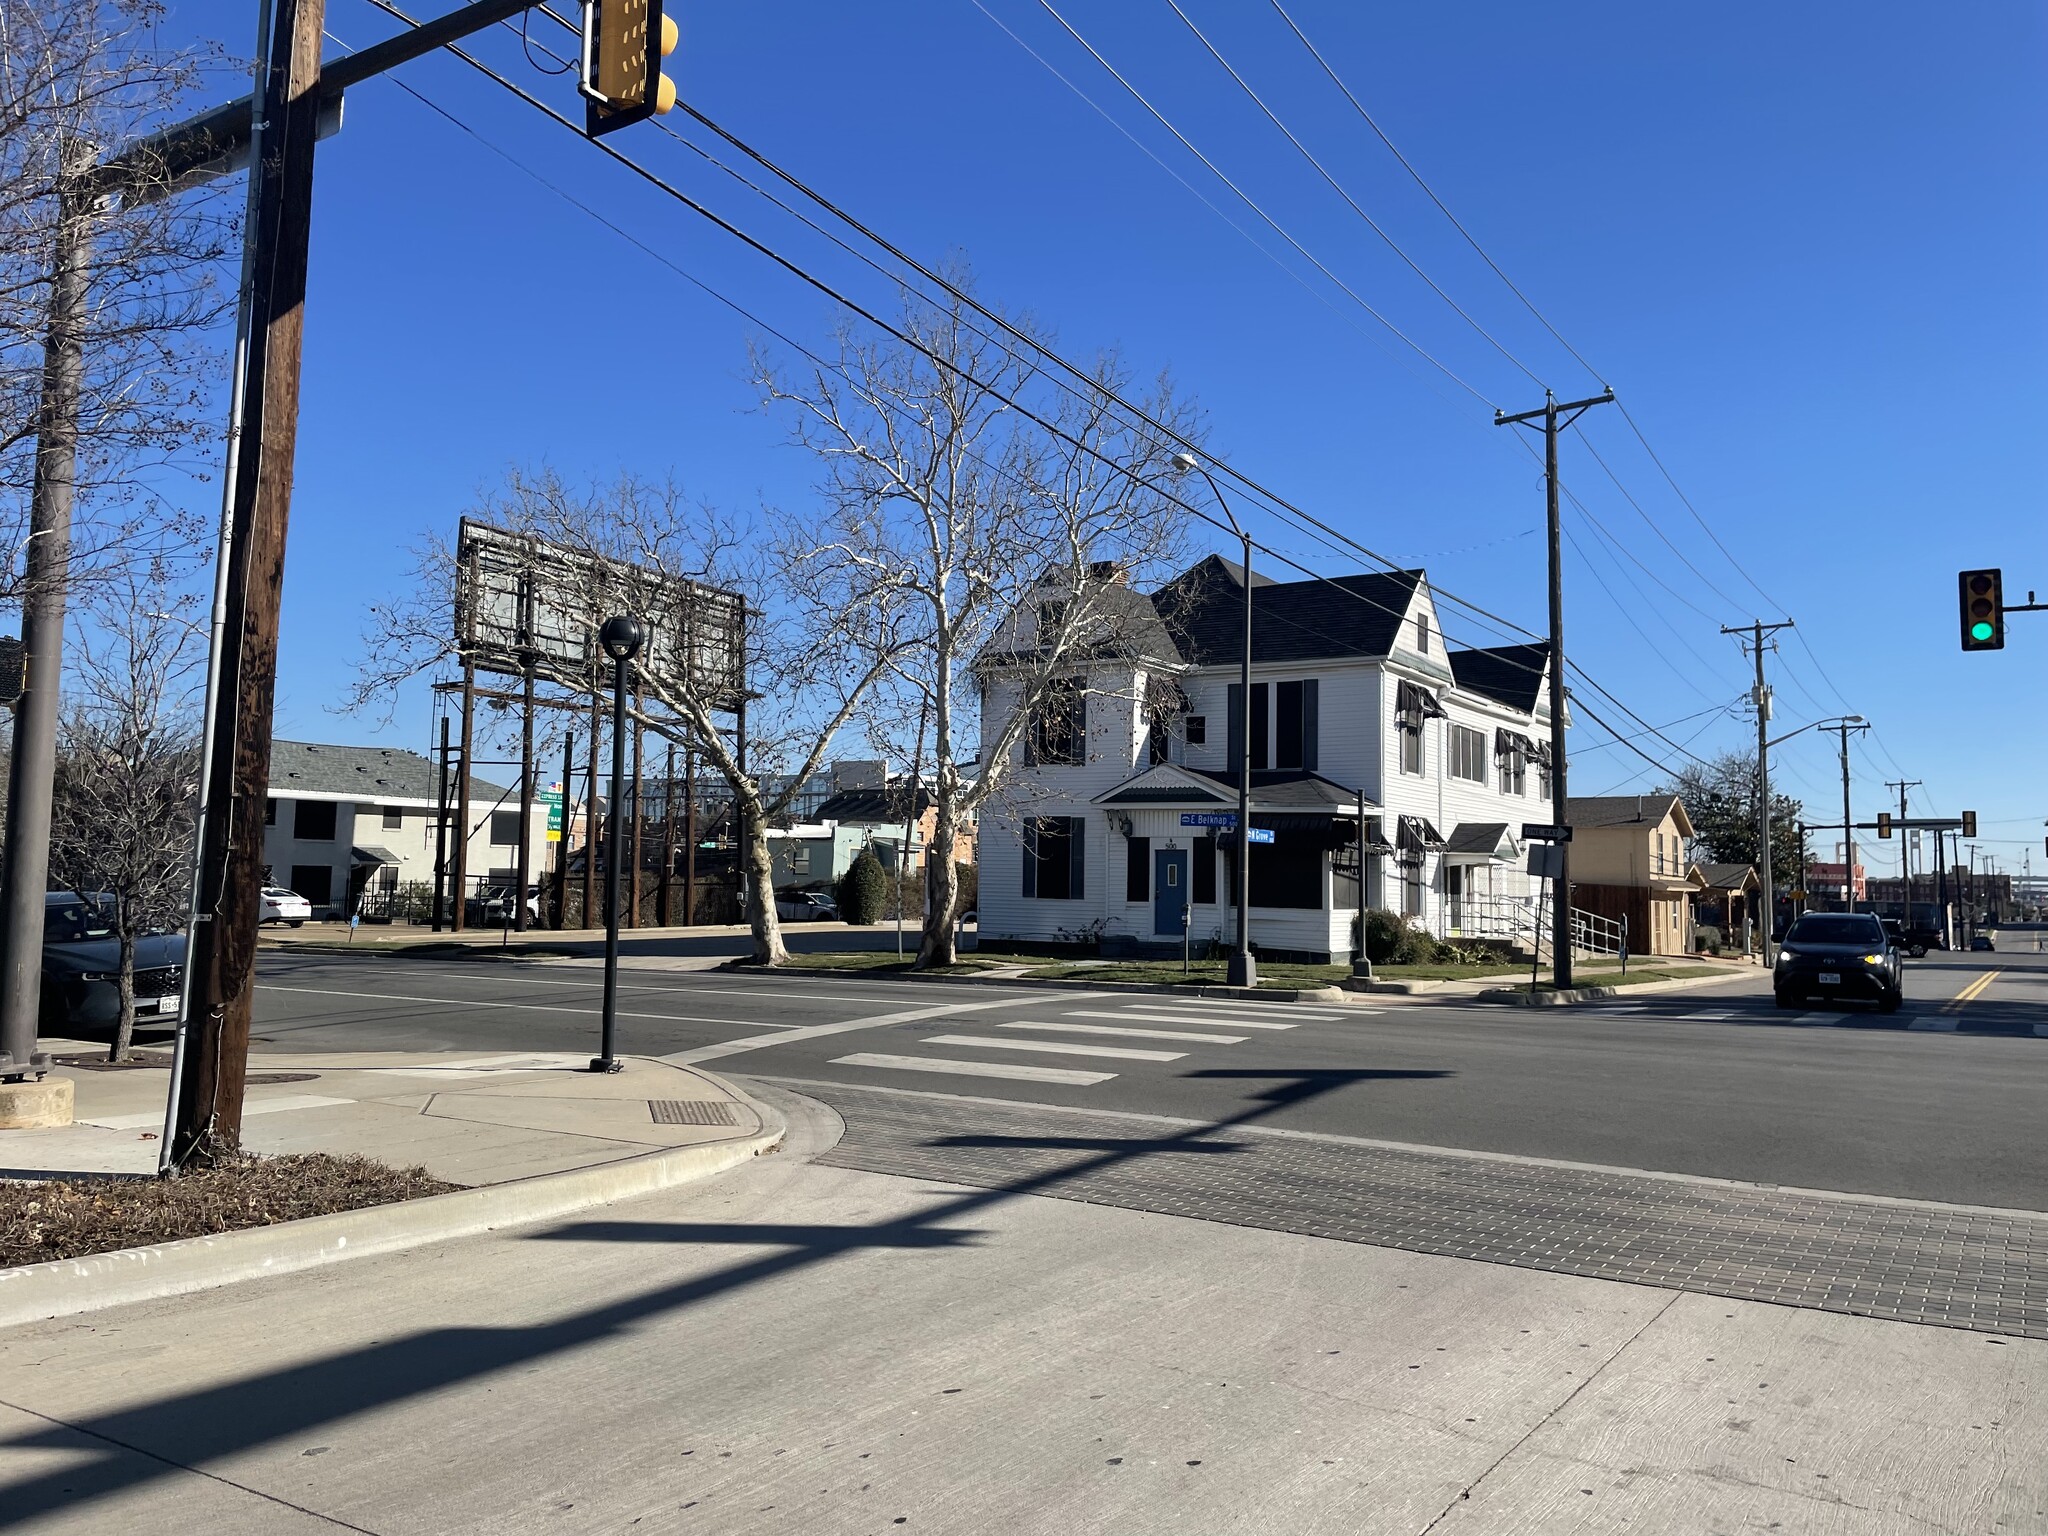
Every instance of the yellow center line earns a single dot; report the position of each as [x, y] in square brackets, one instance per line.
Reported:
[1969, 993]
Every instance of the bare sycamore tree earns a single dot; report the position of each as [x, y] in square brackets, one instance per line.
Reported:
[79, 81]
[128, 770]
[816, 644]
[1008, 547]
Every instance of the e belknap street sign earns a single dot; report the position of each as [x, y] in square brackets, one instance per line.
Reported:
[1545, 832]
[1225, 820]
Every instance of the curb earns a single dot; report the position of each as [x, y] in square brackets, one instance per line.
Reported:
[1329, 994]
[1519, 999]
[91, 1282]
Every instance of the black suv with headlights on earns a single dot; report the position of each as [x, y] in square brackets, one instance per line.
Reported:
[1839, 955]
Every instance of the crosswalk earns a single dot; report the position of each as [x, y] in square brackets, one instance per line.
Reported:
[1155, 1032]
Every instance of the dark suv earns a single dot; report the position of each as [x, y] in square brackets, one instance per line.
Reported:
[1839, 955]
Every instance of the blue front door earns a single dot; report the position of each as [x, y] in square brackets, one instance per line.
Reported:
[1169, 889]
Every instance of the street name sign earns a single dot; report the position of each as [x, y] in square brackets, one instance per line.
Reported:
[1225, 819]
[1545, 832]
[1260, 835]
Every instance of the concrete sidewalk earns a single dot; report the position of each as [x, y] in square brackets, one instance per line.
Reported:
[468, 1119]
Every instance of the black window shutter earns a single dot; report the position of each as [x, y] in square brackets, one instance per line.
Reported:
[1077, 849]
[1309, 725]
[1138, 869]
[1287, 741]
[1205, 872]
[1262, 698]
[1233, 732]
[1031, 858]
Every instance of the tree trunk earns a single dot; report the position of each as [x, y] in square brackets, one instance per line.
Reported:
[124, 1021]
[768, 949]
[942, 881]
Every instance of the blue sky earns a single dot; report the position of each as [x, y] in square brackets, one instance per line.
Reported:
[1804, 244]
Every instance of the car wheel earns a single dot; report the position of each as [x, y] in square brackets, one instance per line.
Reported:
[1917, 951]
[1787, 1000]
[295, 922]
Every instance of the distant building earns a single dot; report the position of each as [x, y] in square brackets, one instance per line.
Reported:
[1628, 862]
[1824, 883]
[346, 827]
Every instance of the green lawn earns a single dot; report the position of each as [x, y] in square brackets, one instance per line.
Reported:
[1208, 973]
[885, 960]
[1612, 977]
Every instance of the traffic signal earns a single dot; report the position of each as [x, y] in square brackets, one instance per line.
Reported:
[624, 42]
[1884, 823]
[1969, 823]
[1982, 602]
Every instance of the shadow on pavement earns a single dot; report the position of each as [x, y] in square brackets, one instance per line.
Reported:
[126, 1448]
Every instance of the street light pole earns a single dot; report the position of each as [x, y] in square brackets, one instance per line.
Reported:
[1242, 970]
[622, 639]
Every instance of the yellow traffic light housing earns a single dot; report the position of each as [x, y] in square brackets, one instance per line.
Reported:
[1969, 823]
[1884, 823]
[1982, 600]
[624, 42]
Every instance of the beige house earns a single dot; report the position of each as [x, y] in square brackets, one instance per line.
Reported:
[1628, 863]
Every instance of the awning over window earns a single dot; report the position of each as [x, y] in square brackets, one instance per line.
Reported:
[1412, 701]
[1414, 834]
[1480, 842]
[1506, 741]
[373, 855]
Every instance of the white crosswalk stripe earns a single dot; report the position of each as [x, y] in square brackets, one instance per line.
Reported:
[1234, 1005]
[1137, 1034]
[1937, 1022]
[1150, 1017]
[1055, 1047]
[1015, 1071]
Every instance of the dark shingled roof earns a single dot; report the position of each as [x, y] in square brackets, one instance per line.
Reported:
[1509, 674]
[1203, 609]
[367, 773]
[881, 807]
[1728, 877]
[1619, 810]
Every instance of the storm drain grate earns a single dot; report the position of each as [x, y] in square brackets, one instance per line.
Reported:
[691, 1112]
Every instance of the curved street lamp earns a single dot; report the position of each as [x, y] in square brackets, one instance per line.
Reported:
[622, 638]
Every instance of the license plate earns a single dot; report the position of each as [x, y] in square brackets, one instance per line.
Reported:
[1830, 978]
[167, 1004]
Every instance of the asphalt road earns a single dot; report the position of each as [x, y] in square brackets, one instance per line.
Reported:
[1941, 1101]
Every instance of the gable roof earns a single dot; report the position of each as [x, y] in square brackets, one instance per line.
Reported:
[367, 773]
[1203, 609]
[1627, 810]
[1729, 877]
[876, 807]
[1508, 674]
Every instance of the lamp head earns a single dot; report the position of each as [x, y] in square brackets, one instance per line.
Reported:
[1184, 463]
[622, 637]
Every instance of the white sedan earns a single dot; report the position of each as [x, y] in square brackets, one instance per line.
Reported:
[283, 906]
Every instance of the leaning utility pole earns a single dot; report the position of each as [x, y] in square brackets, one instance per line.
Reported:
[1762, 698]
[1561, 906]
[1848, 825]
[33, 768]
[207, 1122]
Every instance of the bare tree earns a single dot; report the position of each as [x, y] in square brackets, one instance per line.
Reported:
[1008, 537]
[816, 645]
[127, 771]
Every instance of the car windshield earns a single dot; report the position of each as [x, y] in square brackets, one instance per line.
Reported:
[1835, 928]
[69, 922]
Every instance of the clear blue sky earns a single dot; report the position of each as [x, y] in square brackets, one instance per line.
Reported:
[1805, 244]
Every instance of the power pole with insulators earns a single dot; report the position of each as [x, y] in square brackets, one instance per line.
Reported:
[1905, 842]
[1762, 698]
[1553, 416]
[1848, 824]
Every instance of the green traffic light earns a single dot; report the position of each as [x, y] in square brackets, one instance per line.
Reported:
[1981, 631]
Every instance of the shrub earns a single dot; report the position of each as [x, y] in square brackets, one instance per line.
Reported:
[1385, 933]
[863, 890]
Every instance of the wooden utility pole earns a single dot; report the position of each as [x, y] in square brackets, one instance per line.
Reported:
[1762, 699]
[668, 841]
[1561, 907]
[32, 767]
[207, 1123]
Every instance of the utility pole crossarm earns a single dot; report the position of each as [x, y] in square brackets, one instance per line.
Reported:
[1762, 698]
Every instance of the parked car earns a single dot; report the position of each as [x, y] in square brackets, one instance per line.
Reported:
[1838, 955]
[283, 906]
[82, 964]
[493, 904]
[1982, 941]
[806, 907]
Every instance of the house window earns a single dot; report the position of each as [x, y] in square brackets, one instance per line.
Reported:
[1054, 858]
[1137, 869]
[1422, 633]
[313, 822]
[1411, 884]
[1203, 859]
[394, 818]
[1411, 745]
[1296, 725]
[1157, 741]
[315, 882]
[799, 858]
[1468, 754]
[270, 811]
[1052, 618]
[1288, 872]
[504, 829]
[1058, 731]
[1543, 781]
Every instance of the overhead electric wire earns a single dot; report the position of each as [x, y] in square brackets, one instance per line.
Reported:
[1651, 522]
[1359, 107]
[1338, 187]
[1629, 618]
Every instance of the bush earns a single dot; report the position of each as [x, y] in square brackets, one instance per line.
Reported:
[1385, 933]
[1708, 938]
[863, 890]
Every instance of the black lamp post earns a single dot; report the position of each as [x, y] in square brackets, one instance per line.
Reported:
[622, 638]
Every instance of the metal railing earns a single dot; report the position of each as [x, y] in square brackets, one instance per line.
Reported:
[1513, 920]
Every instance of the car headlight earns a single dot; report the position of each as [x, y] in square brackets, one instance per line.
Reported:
[1873, 959]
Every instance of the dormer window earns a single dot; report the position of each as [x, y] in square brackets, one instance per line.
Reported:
[1422, 633]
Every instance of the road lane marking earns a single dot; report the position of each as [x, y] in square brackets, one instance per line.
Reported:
[1938, 1023]
[818, 1031]
[1055, 1047]
[1232, 1005]
[1174, 1018]
[155, 1117]
[1012, 1070]
[470, 1002]
[2041, 1029]
[1139, 1034]
[1719, 1013]
[1970, 993]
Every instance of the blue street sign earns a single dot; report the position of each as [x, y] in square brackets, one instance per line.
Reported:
[1261, 835]
[1208, 819]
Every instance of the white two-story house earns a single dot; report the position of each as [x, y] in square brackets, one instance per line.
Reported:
[1372, 747]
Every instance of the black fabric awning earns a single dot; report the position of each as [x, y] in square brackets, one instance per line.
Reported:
[1412, 701]
[1413, 834]
[1506, 741]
